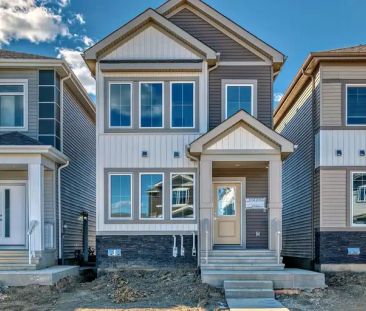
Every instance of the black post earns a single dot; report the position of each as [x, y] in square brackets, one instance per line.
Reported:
[85, 237]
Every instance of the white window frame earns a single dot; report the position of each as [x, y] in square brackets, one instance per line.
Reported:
[171, 195]
[24, 83]
[171, 104]
[163, 196]
[351, 198]
[109, 105]
[162, 104]
[110, 196]
[346, 108]
[251, 85]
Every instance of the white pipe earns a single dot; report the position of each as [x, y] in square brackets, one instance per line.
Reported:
[194, 252]
[181, 245]
[278, 246]
[175, 249]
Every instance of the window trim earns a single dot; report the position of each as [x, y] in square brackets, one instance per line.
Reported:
[171, 195]
[171, 104]
[351, 198]
[110, 196]
[346, 108]
[24, 83]
[162, 201]
[162, 104]
[251, 85]
[110, 126]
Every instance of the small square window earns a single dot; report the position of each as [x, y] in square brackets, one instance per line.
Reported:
[238, 97]
[356, 105]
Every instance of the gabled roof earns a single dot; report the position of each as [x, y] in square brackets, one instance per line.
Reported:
[18, 55]
[227, 23]
[18, 139]
[352, 49]
[92, 54]
[285, 145]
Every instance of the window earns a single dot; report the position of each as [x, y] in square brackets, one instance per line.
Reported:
[356, 105]
[359, 198]
[120, 97]
[151, 104]
[226, 201]
[182, 196]
[12, 105]
[238, 96]
[151, 196]
[120, 196]
[182, 104]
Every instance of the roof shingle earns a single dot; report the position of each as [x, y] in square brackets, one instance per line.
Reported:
[6, 54]
[17, 139]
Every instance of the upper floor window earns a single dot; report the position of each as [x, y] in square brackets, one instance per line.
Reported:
[356, 104]
[151, 104]
[237, 97]
[182, 104]
[120, 186]
[12, 105]
[120, 106]
[358, 197]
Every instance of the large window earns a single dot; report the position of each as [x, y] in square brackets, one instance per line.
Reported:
[151, 104]
[182, 104]
[237, 97]
[182, 196]
[12, 105]
[120, 196]
[151, 196]
[359, 198]
[120, 96]
[356, 104]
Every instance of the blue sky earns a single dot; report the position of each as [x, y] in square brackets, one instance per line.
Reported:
[295, 27]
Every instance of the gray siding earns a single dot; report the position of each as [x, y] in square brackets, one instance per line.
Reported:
[263, 75]
[78, 179]
[32, 77]
[230, 50]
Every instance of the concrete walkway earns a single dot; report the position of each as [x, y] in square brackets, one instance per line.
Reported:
[255, 304]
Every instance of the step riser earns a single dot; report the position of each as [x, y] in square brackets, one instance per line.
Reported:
[242, 260]
[242, 267]
[239, 254]
[248, 285]
[249, 294]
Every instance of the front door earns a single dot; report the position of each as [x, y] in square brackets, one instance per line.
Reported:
[12, 215]
[227, 213]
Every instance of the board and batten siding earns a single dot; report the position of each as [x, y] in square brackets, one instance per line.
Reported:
[263, 75]
[32, 77]
[229, 49]
[297, 126]
[78, 179]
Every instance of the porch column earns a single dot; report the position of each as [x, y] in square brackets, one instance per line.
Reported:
[275, 202]
[36, 204]
[206, 206]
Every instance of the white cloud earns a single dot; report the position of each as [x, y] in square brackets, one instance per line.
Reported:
[80, 18]
[24, 19]
[88, 41]
[77, 64]
[277, 97]
[64, 3]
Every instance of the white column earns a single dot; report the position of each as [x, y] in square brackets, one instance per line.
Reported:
[275, 201]
[36, 204]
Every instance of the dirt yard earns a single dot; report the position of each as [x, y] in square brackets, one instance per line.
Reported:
[170, 290]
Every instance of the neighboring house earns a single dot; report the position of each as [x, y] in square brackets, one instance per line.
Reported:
[47, 121]
[185, 146]
[324, 180]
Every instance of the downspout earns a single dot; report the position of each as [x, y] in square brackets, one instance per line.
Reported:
[60, 227]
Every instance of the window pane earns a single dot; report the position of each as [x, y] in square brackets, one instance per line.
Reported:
[120, 196]
[120, 103]
[226, 201]
[151, 104]
[46, 94]
[182, 104]
[359, 198]
[238, 97]
[11, 110]
[182, 195]
[151, 196]
[46, 77]
[356, 105]
[11, 88]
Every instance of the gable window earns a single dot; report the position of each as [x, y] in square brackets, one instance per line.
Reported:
[151, 104]
[120, 194]
[182, 104]
[356, 104]
[151, 196]
[120, 97]
[13, 105]
[182, 196]
[358, 197]
[237, 97]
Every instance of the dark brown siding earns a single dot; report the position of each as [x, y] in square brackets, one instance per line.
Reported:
[203, 31]
[262, 74]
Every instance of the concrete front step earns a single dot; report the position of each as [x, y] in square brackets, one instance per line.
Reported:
[245, 259]
[17, 267]
[251, 304]
[241, 253]
[252, 284]
[242, 267]
[249, 293]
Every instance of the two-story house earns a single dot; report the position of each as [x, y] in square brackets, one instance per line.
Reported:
[47, 163]
[188, 165]
[324, 180]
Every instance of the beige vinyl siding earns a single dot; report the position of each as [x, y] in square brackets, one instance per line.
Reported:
[14, 175]
[333, 198]
[49, 197]
[331, 105]
[348, 72]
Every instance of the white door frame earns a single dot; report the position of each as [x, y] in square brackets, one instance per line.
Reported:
[242, 182]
